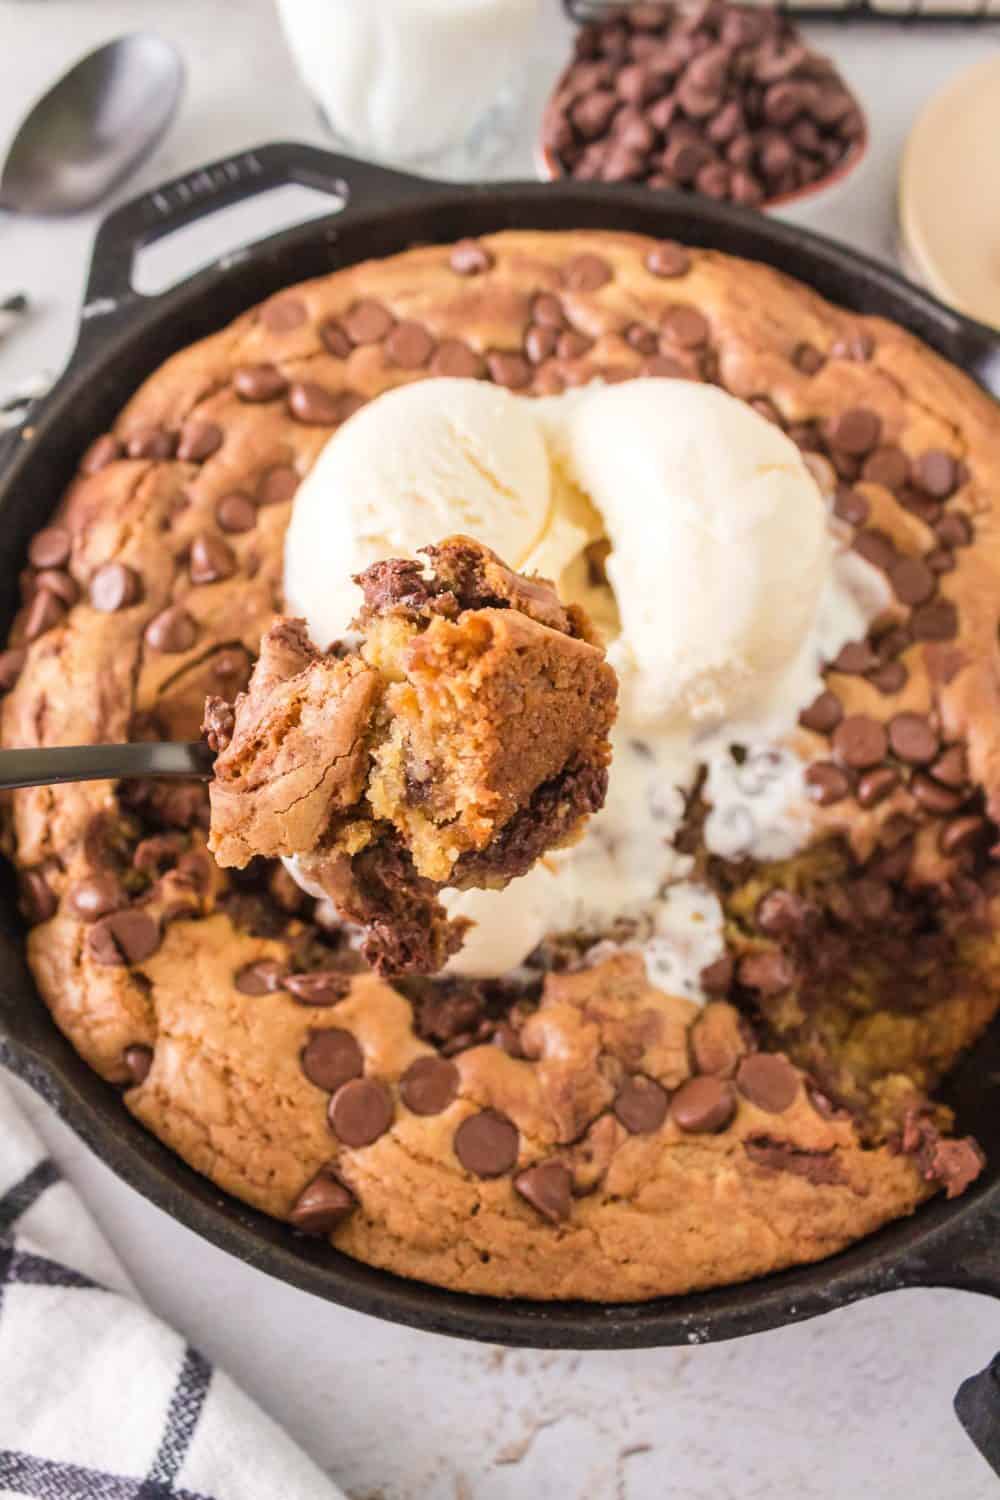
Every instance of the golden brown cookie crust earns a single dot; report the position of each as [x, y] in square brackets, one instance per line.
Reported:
[651, 1213]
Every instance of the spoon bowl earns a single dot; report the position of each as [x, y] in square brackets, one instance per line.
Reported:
[93, 127]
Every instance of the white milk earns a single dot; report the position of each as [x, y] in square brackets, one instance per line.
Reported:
[404, 80]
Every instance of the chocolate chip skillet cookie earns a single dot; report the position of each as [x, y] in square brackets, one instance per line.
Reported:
[599, 1119]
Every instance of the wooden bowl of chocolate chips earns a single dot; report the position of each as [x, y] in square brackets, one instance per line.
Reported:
[712, 98]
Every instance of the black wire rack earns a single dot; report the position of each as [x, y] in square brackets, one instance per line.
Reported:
[962, 11]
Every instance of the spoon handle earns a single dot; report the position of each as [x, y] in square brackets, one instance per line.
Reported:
[19, 768]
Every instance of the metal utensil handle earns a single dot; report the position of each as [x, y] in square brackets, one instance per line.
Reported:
[46, 767]
[233, 179]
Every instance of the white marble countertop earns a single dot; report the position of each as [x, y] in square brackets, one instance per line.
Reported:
[857, 1402]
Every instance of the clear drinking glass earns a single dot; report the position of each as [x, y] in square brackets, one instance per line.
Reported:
[424, 83]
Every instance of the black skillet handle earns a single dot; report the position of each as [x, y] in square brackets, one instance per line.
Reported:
[220, 184]
[110, 297]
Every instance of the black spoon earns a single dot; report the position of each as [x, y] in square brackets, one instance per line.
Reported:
[145, 758]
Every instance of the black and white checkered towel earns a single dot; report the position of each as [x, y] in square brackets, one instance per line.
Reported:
[98, 1399]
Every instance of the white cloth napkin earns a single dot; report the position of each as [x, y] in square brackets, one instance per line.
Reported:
[99, 1400]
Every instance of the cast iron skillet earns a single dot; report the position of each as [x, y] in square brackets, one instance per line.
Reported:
[123, 337]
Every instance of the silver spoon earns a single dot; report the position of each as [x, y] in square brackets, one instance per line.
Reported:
[19, 768]
[93, 127]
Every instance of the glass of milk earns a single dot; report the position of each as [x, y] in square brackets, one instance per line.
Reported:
[428, 83]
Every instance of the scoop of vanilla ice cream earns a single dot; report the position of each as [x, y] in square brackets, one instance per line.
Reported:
[719, 544]
[421, 462]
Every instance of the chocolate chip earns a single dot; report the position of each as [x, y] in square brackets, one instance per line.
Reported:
[11, 666]
[548, 1187]
[637, 84]
[198, 440]
[321, 987]
[540, 343]
[277, 485]
[322, 1204]
[635, 134]
[487, 1144]
[852, 507]
[262, 977]
[60, 583]
[334, 339]
[768, 971]
[236, 513]
[888, 466]
[151, 442]
[937, 621]
[573, 345]
[704, 1104]
[744, 188]
[912, 581]
[823, 714]
[936, 472]
[259, 383]
[332, 1057]
[954, 529]
[50, 548]
[769, 1081]
[912, 739]
[429, 1085]
[950, 767]
[855, 432]
[874, 786]
[96, 896]
[684, 158]
[171, 631]
[360, 1112]
[877, 548]
[854, 659]
[685, 327]
[940, 560]
[367, 322]
[940, 801]
[138, 1059]
[455, 359]
[961, 834]
[44, 612]
[313, 404]
[669, 259]
[470, 258]
[717, 977]
[663, 367]
[282, 314]
[211, 559]
[782, 913]
[409, 345]
[508, 369]
[586, 273]
[123, 937]
[827, 784]
[38, 900]
[102, 451]
[890, 678]
[593, 111]
[640, 338]
[641, 1104]
[860, 741]
[808, 359]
